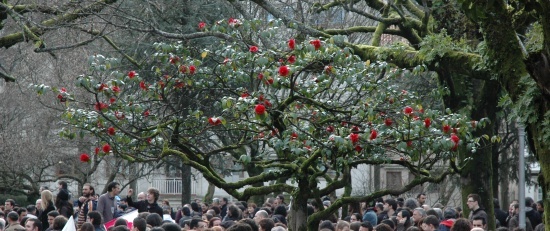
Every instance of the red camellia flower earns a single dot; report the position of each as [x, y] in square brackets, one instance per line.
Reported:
[61, 98]
[291, 59]
[119, 115]
[202, 25]
[111, 131]
[354, 128]
[253, 49]
[102, 87]
[283, 70]
[182, 69]
[214, 121]
[388, 122]
[260, 76]
[115, 89]
[84, 157]
[260, 109]
[112, 100]
[328, 69]
[269, 81]
[427, 122]
[174, 59]
[146, 113]
[244, 94]
[358, 148]
[131, 74]
[316, 43]
[142, 85]
[446, 128]
[261, 98]
[373, 134]
[408, 110]
[96, 151]
[291, 44]
[267, 103]
[354, 137]
[106, 148]
[294, 136]
[330, 129]
[409, 143]
[455, 140]
[100, 106]
[192, 69]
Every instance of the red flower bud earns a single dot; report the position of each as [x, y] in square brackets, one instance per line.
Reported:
[291, 44]
[202, 25]
[131, 74]
[106, 148]
[253, 49]
[283, 70]
[84, 157]
[388, 122]
[330, 129]
[373, 134]
[316, 43]
[291, 59]
[260, 109]
[408, 110]
[192, 69]
[427, 122]
[214, 121]
[111, 131]
[446, 128]
[354, 137]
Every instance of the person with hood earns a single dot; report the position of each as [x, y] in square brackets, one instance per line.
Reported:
[449, 220]
[149, 205]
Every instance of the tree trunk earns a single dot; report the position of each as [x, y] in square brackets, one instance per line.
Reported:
[542, 150]
[297, 217]
[185, 184]
[209, 193]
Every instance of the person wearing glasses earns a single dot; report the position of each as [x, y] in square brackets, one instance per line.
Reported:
[475, 209]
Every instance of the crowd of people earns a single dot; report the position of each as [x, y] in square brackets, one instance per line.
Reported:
[91, 211]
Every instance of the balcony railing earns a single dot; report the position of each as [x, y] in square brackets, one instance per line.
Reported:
[172, 186]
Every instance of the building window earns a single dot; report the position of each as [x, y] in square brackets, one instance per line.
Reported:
[394, 180]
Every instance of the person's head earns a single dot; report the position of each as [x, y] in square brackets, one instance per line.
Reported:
[473, 201]
[62, 185]
[342, 226]
[31, 209]
[421, 198]
[365, 226]
[404, 214]
[215, 221]
[22, 212]
[47, 198]
[224, 201]
[121, 221]
[430, 223]
[233, 211]
[59, 222]
[418, 213]
[239, 226]
[88, 190]
[449, 213]
[383, 227]
[390, 204]
[51, 216]
[33, 224]
[411, 203]
[170, 226]
[87, 226]
[540, 206]
[379, 207]
[461, 224]
[265, 224]
[94, 217]
[251, 223]
[251, 208]
[280, 210]
[113, 188]
[326, 224]
[2, 223]
[139, 224]
[195, 206]
[197, 224]
[478, 221]
[38, 204]
[154, 219]
[152, 195]
[141, 196]
[13, 217]
[261, 214]
[355, 217]
[9, 204]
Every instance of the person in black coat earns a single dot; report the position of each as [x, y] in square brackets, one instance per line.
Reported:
[47, 205]
[150, 205]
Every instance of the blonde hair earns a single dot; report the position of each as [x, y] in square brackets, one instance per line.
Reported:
[47, 199]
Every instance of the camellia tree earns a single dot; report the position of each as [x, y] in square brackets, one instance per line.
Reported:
[314, 109]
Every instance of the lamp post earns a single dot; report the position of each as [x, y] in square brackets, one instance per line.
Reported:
[521, 176]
